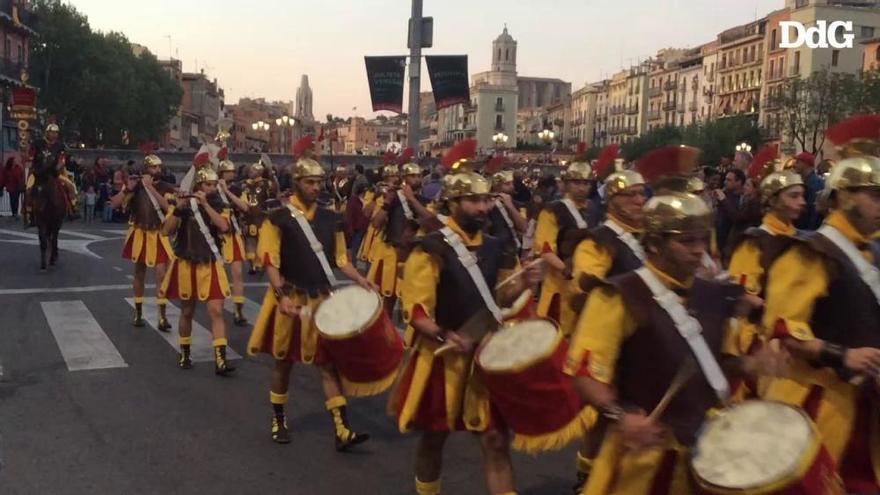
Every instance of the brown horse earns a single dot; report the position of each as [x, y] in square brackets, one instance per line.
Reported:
[50, 208]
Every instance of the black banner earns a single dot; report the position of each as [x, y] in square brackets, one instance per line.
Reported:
[449, 79]
[385, 75]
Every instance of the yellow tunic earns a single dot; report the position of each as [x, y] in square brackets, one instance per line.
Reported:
[796, 281]
[601, 331]
[144, 244]
[556, 291]
[364, 250]
[232, 240]
[269, 251]
[465, 399]
[593, 259]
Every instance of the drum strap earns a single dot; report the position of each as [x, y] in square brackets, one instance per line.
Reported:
[503, 211]
[155, 203]
[689, 328]
[407, 211]
[203, 227]
[869, 273]
[234, 220]
[766, 228]
[627, 238]
[314, 243]
[469, 261]
[572, 209]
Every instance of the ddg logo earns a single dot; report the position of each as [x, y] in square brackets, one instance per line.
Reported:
[822, 35]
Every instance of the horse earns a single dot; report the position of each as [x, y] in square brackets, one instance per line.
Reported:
[49, 209]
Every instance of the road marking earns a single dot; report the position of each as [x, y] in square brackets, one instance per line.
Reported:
[101, 288]
[251, 309]
[130, 277]
[80, 338]
[202, 349]
[117, 268]
[91, 237]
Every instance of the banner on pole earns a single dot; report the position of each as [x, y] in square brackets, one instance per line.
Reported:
[449, 79]
[385, 75]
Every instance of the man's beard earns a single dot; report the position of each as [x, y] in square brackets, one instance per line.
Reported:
[471, 223]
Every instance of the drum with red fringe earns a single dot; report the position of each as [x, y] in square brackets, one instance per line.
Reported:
[523, 308]
[763, 447]
[521, 365]
[360, 339]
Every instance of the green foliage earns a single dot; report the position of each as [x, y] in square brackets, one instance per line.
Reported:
[94, 84]
[717, 138]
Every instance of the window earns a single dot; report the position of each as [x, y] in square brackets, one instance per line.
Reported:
[771, 67]
[499, 54]
[499, 121]
[506, 54]
[877, 55]
[797, 62]
[835, 57]
[867, 32]
[773, 40]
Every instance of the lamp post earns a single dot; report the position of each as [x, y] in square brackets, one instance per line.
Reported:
[500, 140]
[547, 136]
[284, 123]
[261, 126]
[744, 147]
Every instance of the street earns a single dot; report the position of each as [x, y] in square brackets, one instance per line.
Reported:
[91, 405]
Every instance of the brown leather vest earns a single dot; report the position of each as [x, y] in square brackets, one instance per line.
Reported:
[650, 358]
[143, 214]
[299, 265]
[849, 314]
[569, 234]
[189, 241]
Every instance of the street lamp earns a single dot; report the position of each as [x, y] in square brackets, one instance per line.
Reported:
[500, 139]
[284, 123]
[261, 126]
[547, 136]
[744, 147]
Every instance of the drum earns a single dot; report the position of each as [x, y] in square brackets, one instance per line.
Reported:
[521, 309]
[358, 336]
[521, 366]
[763, 447]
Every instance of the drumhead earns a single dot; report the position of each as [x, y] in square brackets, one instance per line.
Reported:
[346, 311]
[752, 445]
[519, 345]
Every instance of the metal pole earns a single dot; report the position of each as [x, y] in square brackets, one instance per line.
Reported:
[415, 70]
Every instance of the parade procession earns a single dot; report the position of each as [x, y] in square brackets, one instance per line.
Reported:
[662, 282]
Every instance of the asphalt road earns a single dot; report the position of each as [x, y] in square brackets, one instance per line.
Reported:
[91, 405]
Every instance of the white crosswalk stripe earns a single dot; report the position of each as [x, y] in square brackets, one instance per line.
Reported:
[82, 342]
[202, 349]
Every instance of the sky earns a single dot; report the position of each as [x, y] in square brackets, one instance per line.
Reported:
[262, 47]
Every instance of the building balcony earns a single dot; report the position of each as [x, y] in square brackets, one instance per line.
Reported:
[654, 92]
[10, 69]
[692, 106]
[680, 107]
[670, 85]
[669, 106]
[653, 115]
[632, 110]
[499, 108]
[632, 130]
[769, 104]
[710, 77]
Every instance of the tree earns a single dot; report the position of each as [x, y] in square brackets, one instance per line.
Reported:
[94, 83]
[809, 105]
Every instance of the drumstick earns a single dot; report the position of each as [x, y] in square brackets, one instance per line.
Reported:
[682, 376]
[519, 272]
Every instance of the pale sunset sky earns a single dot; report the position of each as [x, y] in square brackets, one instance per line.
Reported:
[260, 48]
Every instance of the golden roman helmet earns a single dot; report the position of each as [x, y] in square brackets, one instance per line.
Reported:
[341, 169]
[257, 167]
[502, 177]
[306, 167]
[206, 174]
[465, 184]
[695, 185]
[776, 182]
[857, 139]
[226, 166]
[390, 170]
[53, 128]
[619, 181]
[856, 171]
[410, 169]
[152, 161]
[677, 213]
[579, 171]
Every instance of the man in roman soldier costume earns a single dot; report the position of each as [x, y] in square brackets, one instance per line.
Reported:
[399, 220]
[823, 303]
[46, 152]
[507, 222]
[573, 212]
[233, 240]
[629, 348]
[340, 187]
[146, 199]
[300, 244]
[782, 196]
[256, 190]
[197, 273]
[373, 204]
[436, 394]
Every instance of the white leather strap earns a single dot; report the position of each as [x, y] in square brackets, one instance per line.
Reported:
[766, 228]
[689, 328]
[314, 243]
[155, 203]
[469, 261]
[407, 211]
[203, 227]
[572, 208]
[503, 210]
[627, 238]
[232, 218]
[869, 273]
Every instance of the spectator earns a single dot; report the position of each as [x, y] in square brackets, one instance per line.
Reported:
[101, 172]
[109, 214]
[90, 199]
[729, 202]
[356, 222]
[13, 181]
[749, 214]
[359, 179]
[805, 165]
